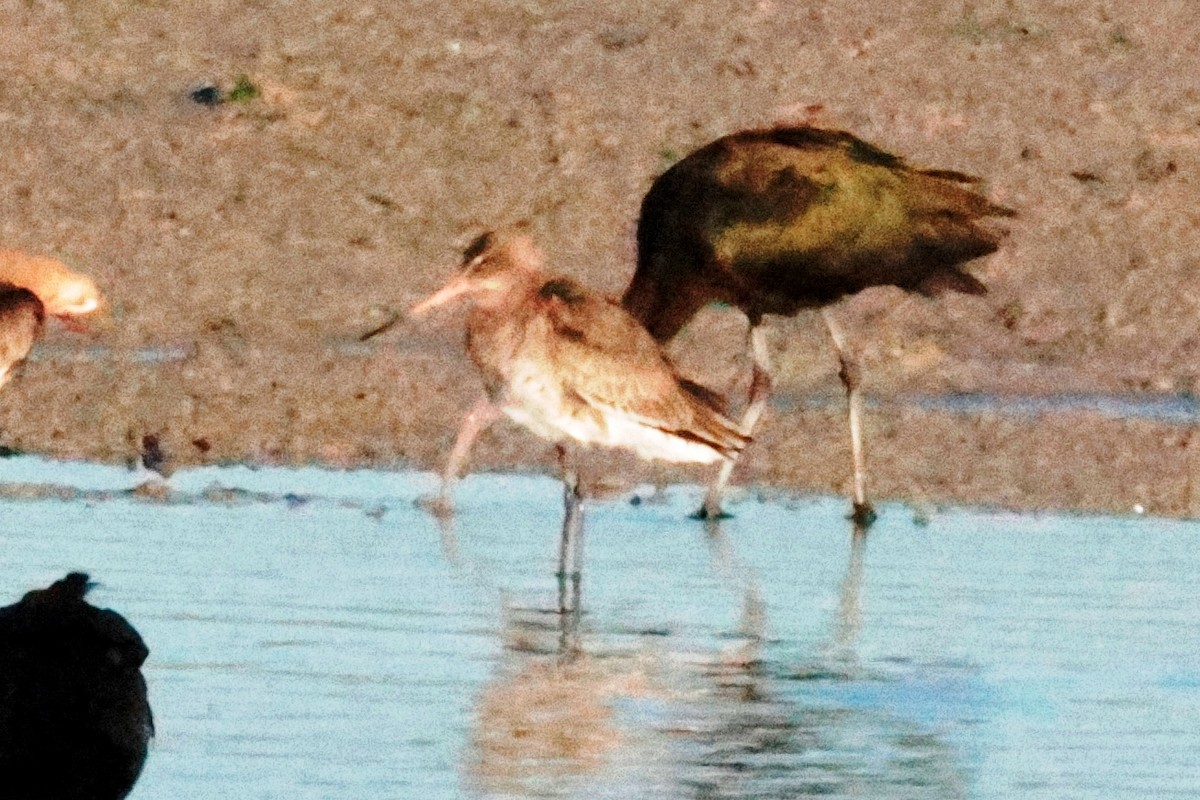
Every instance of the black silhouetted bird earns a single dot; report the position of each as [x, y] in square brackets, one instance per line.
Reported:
[75, 721]
[778, 220]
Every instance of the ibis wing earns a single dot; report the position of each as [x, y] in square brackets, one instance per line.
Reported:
[828, 200]
[816, 215]
[773, 221]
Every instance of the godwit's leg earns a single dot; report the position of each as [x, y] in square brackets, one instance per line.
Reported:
[756, 403]
[850, 374]
[570, 556]
[477, 420]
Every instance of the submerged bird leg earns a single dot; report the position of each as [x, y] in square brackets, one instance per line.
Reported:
[571, 551]
[570, 556]
[756, 403]
[850, 374]
[477, 420]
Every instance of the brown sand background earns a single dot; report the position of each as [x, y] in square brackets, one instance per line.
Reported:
[255, 241]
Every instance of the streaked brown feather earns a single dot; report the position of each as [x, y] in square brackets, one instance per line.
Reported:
[570, 364]
[21, 320]
[703, 394]
[605, 356]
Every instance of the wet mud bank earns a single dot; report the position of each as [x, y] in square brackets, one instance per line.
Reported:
[397, 408]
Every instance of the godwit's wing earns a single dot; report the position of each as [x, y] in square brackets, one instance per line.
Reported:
[603, 356]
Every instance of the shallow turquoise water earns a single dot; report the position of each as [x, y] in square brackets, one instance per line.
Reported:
[314, 635]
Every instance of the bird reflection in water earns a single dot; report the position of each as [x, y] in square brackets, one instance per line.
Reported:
[547, 719]
[847, 624]
[527, 629]
[742, 580]
[542, 724]
[763, 729]
[553, 721]
[595, 712]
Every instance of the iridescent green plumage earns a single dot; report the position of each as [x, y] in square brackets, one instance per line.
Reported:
[773, 221]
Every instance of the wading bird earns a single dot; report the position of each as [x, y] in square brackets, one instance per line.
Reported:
[779, 220]
[32, 287]
[74, 718]
[573, 366]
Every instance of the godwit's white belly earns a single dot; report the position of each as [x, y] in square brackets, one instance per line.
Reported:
[539, 403]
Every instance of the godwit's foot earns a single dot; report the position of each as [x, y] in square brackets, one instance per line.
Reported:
[440, 505]
[863, 516]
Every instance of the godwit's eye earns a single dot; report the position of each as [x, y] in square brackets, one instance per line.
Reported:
[477, 248]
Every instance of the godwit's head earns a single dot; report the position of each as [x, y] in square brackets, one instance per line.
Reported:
[492, 268]
[64, 293]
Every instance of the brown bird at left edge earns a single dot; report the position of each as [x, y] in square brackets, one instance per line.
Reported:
[32, 288]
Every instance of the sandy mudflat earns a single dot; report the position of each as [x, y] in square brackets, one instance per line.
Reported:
[250, 243]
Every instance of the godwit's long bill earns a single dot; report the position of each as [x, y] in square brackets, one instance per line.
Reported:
[775, 221]
[573, 366]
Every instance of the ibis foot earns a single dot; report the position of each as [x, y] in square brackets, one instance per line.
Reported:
[707, 514]
[863, 516]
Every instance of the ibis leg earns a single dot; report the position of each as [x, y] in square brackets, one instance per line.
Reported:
[850, 374]
[760, 392]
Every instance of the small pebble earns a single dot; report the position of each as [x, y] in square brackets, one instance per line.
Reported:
[153, 457]
[295, 501]
[206, 95]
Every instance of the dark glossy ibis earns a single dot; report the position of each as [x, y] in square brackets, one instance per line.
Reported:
[779, 220]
